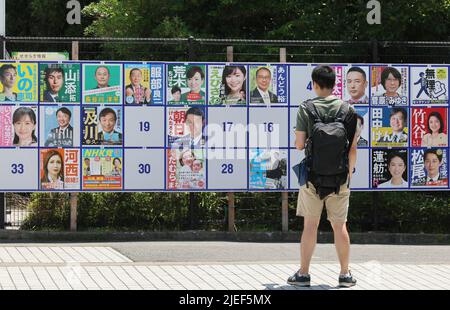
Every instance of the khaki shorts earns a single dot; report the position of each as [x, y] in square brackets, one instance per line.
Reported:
[310, 205]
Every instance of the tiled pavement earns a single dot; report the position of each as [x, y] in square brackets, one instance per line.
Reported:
[66, 268]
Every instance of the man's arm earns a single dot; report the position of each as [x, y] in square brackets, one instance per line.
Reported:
[352, 156]
[300, 140]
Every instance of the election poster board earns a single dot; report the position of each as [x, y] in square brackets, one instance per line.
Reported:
[185, 126]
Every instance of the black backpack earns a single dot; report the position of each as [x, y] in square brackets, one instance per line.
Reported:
[327, 150]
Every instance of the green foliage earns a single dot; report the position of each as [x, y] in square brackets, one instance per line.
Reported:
[265, 19]
[403, 212]
[48, 210]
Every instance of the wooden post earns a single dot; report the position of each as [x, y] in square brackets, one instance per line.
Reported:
[75, 50]
[74, 196]
[231, 212]
[2, 210]
[284, 212]
[284, 195]
[282, 55]
[73, 211]
[230, 196]
[229, 53]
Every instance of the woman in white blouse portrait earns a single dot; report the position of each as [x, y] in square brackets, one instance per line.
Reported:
[396, 167]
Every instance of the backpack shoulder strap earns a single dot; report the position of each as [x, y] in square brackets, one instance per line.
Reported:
[311, 109]
[342, 113]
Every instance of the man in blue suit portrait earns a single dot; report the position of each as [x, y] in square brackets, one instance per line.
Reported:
[195, 120]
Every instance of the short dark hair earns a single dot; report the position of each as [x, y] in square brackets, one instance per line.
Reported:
[401, 110]
[17, 116]
[324, 76]
[394, 154]
[6, 67]
[359, 70]
[65, 111]
[196, 111]
[439, 117]
[52, 69]
[228, 70]
[107, 111]
[433, 151]
[175, 89]
[193, 70]
[395, 73]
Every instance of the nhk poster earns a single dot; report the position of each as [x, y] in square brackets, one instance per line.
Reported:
[102, 168]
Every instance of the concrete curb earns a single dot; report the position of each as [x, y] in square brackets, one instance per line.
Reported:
[11, 236]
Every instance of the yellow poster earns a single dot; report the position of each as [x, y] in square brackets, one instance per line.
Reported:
[18, 82]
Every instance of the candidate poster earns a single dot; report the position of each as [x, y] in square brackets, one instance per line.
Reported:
[59, 129]
[267, 169]
[102, 125]
[390, 168]
[186, 127]
[429, 167]
[356, 84]
[102, 83]
[143, 83]
[186, 84]
[362, 129]
[429, 85]
[429, 127]
[60, 83]
[59, 169]
[389, 85]
[389, 127]
[268, 84]
[18, 82]
[19, 126]
[186, 169]
[227, 85]
[102, 169]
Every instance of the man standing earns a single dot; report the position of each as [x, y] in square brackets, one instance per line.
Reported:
[54, 80]
[262, 94]
[316, 194]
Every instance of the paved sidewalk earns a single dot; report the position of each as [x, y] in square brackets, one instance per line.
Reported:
[102, 267]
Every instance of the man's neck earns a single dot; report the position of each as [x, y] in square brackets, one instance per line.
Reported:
[263, 91]
[433, 176]
[324, 92]
[359, 98]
